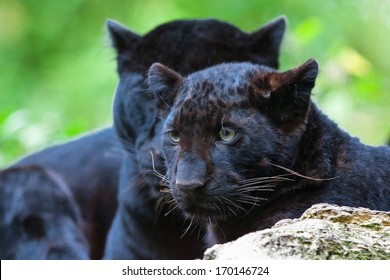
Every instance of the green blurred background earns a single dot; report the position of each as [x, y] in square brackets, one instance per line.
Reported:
[57, 70]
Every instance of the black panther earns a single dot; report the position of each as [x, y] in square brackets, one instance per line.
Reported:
[246, 147]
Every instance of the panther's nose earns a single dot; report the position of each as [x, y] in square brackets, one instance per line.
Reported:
[190, 188]
[191, 174]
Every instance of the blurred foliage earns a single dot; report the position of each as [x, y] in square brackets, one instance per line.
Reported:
[58, 73]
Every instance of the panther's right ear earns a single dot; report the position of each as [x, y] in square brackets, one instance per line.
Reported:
[163, 82]
[122, 38]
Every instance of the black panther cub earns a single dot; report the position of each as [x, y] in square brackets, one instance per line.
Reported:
[245, 147]
[142, 229]
[39, 218]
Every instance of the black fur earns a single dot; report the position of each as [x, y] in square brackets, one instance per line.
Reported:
[283, 156]
[39, 218]
[90, 166]
[141, 228]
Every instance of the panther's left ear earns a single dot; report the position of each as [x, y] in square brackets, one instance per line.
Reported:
[122, 38]
[163, 82]
[285, 96]
[267, 41]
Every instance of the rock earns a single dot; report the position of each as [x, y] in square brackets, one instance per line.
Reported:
[324, 231]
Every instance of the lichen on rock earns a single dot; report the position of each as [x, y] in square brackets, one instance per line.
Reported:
[323, 232]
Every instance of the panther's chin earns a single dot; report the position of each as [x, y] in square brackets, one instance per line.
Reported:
[203, 213]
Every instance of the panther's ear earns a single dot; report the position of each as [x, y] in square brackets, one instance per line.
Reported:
[163, 82]
[303, 77]
[122, 38]
[285, 96]
[267, 40]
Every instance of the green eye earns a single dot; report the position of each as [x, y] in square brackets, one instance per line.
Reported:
[174, 136]
[227, 134]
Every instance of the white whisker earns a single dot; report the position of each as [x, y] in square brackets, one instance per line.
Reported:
[302, 176]
[173, 209]
[189, 226]
[232, 203]
[266, 179]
